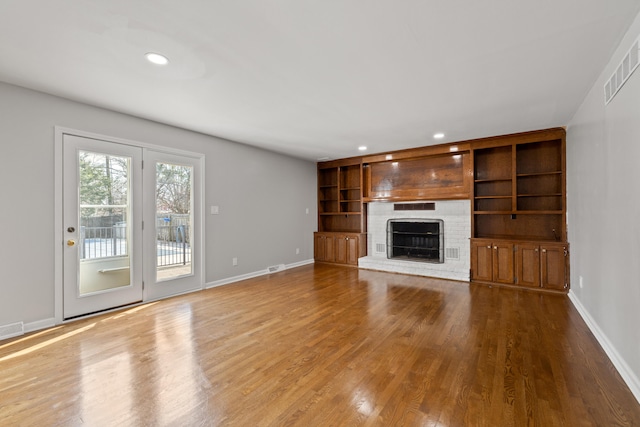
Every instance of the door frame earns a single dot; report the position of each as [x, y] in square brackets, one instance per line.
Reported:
[59, 132]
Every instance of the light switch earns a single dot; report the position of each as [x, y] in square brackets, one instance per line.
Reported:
[215, 210]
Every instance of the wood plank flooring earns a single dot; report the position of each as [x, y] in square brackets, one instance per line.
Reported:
[320, 345]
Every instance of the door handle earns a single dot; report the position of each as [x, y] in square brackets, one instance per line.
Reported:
[71, 242]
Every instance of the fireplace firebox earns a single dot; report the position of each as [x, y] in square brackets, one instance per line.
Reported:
[416, 239]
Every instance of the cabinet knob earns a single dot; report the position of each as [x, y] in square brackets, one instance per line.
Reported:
[347, 238]
[536, 249]
[544, 251]
[495, 247]
[489, 247]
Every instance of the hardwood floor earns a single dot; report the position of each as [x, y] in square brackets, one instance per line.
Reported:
[320, 346]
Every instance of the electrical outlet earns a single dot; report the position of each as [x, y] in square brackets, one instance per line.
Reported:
[581, 284]
[297, 251]
[234, 261]
[307, 211]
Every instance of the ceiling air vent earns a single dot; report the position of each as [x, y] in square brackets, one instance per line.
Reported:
[626, 67]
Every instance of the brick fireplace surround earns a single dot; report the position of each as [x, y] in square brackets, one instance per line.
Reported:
[456, 215]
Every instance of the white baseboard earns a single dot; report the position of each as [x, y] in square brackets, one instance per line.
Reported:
[618, 361]
[40, 324]
[264, 272]
[300, 263]
[19, 328]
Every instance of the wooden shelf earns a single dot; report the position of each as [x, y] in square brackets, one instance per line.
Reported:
[493, 180]
[539, 174]
[519, 200]
[340, 213]
[340, 205]
[539, 195]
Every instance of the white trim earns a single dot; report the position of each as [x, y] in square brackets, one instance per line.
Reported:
[259, 273]
[58, 224]
[299, 263]
[61, 130]
[627, 374]
[39, 324]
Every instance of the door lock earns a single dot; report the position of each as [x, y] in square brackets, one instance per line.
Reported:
[71, 229]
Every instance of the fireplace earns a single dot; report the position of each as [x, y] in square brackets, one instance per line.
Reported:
[454, 255]
[416, 240]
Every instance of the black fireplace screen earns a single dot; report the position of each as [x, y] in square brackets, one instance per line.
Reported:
[416, 239]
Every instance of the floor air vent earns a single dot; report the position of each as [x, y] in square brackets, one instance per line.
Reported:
[381, 248]
[275, 268]
[623, 72]
[11, 330]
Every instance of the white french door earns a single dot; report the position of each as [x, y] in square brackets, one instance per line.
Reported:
[102, 185]
[172, 224]
[131, 234]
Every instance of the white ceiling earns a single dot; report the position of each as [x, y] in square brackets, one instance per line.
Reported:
[318, 79]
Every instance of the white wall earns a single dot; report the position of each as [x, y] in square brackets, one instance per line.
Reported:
[603, 196]
[262, 197]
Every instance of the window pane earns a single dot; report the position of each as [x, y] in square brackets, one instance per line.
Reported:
[173, 220]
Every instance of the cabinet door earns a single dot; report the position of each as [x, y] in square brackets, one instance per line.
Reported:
[323, 247]
[341, 249]
[329, 248]
[553, 266]
[319, 241]
[352, 250]
[528, 265]
[503, 257]
[481, 260]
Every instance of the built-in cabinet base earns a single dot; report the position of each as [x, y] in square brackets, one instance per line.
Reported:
[534, 265]
[339, 248]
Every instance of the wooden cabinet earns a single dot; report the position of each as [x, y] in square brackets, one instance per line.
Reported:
[554, 261]
[482, 260]
[519, 196]
[528, 265]
[342, 217]
[503, 261]
[533, 265]
[492, 261]
[347, 249]
[341, 248]
[324, 247]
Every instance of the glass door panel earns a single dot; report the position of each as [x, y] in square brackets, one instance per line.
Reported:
[104, 209]
[174, 208]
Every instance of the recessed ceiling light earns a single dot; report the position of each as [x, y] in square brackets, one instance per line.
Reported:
[156, 58]
[362, 148]
[438, 135]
